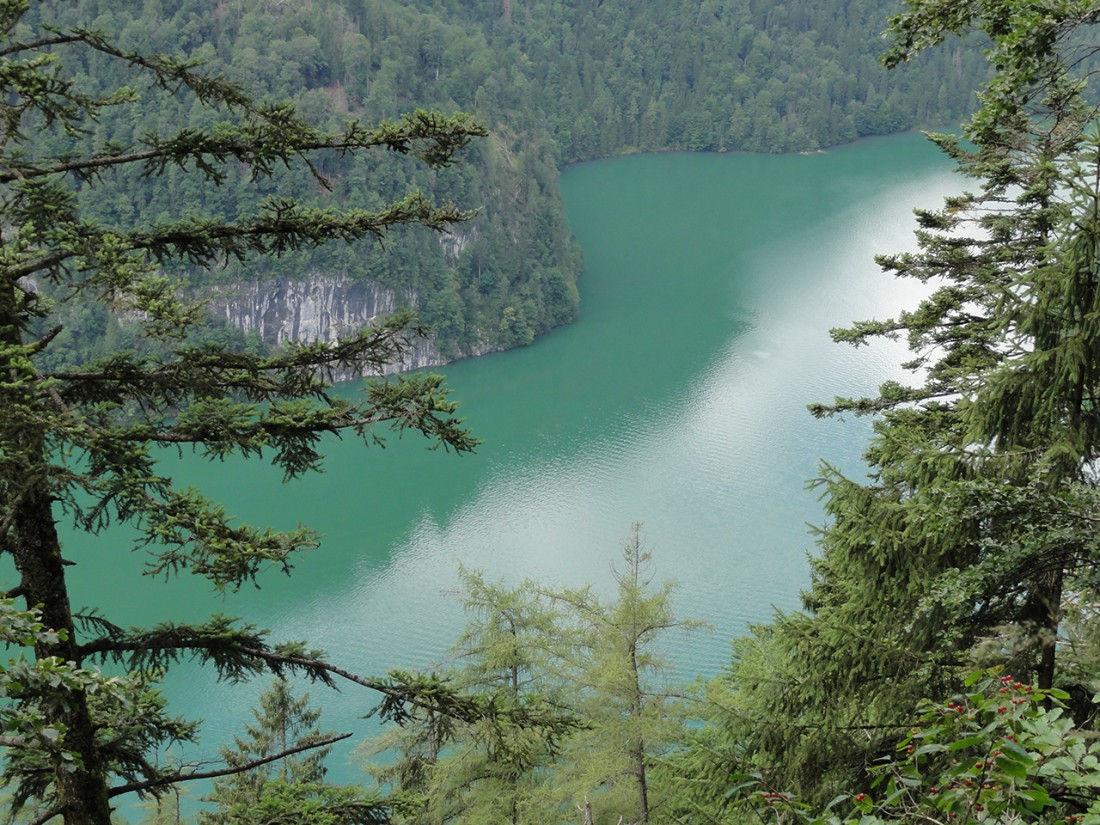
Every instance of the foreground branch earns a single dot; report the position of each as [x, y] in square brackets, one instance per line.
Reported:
[171, 779]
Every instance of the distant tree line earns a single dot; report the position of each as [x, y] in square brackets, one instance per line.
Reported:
[555, 82]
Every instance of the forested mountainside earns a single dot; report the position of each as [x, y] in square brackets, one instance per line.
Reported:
[943, 667]
[554, 82]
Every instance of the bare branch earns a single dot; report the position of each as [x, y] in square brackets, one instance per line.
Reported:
[57, 40]
[172, 779]
[48, 815]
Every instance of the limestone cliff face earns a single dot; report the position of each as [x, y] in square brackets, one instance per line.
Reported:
[316, 307]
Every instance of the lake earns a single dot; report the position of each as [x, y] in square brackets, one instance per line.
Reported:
[677, 400]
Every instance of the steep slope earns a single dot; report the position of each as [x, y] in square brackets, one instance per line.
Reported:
[555, 81]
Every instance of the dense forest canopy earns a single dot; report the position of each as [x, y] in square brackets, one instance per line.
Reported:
[554, 82]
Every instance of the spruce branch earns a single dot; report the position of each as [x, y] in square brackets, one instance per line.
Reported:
[190, 776]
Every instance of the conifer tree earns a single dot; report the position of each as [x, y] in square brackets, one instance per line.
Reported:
[512, 652]
[600, 708]
[624, 693]
[292, 788]
[978, 515]
[79, 445]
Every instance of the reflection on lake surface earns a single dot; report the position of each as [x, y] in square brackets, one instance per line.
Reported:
[677, 400]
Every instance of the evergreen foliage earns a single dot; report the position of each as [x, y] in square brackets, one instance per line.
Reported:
[622, 689]
[481, 771]
[999, 750]
[593, 665]
[555, 82]
[967, 542]
[976, 523]
[292, 788]
[82, 443]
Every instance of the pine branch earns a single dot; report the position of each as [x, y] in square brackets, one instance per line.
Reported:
[231, 649]
[467, 709]
[259, 145]
[240, 652]
[208, 369]
[284, 225]
[15, 272]
[169, 73]
[188, 776]
[41, 819]
[42, 42]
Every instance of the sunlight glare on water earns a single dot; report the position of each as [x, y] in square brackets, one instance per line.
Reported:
[677, 400]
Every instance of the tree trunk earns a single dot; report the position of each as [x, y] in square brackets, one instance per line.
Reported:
[1050, 603]
[35, 548]
[37, 552]
[636, 710]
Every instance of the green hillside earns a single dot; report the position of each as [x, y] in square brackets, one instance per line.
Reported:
[555, 82]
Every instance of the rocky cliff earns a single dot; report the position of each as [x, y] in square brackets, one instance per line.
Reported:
[318, 307]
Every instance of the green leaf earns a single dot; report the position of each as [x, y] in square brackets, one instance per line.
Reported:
[1012, 767]
[931, 747]
[1036, 799]
[1013, 750]
[968, 742]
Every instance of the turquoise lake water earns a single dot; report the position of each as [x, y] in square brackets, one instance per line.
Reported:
[677, 399]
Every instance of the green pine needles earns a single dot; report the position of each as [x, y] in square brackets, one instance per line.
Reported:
[973, 539]
[81, 443]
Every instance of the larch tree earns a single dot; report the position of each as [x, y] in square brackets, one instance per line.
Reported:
[512, 653]
[625, 694]
[79, 445]
[978, 517]
[600, 708]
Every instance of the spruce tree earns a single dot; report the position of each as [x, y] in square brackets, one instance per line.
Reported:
[976, 520]
[292, 788]
[79, 445]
